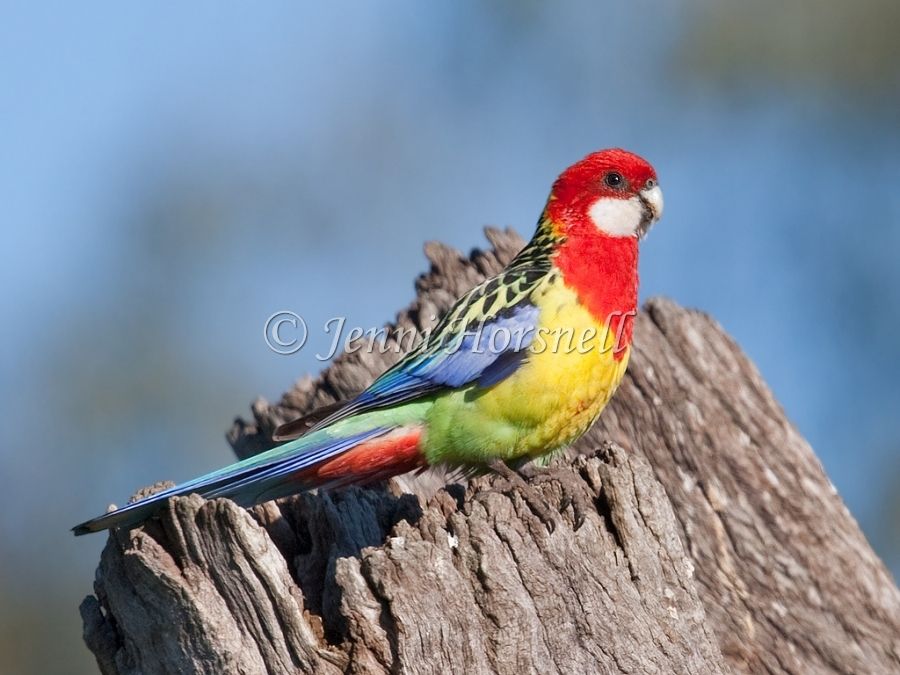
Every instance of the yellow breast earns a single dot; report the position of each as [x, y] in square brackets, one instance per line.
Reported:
[569, 377]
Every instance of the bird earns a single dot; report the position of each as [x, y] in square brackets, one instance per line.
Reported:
[516, 370]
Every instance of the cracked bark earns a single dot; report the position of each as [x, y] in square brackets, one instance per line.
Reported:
[717, 543]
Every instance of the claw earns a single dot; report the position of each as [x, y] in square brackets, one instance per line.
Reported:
[533, 498]
[574, 491]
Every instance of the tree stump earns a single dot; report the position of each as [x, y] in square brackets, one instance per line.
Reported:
[715, 544]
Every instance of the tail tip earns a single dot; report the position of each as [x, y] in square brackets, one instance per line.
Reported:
[85, 528]
[97, 524]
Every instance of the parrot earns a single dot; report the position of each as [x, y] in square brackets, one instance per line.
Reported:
[516, 370]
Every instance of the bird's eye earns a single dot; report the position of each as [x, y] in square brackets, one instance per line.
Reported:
[651, 183]
[614, 179]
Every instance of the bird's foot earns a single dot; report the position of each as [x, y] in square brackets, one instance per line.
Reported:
[574, 491]
[532, 496]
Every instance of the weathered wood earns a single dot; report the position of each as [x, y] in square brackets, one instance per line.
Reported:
[717, 543]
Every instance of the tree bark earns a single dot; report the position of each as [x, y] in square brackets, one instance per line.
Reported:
[714, 542]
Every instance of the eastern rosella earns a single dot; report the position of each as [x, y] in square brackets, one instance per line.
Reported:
[519, 367]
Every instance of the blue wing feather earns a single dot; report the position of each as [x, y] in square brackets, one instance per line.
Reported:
[480, 348]
[484, 354]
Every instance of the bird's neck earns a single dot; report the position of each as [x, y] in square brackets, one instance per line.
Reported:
[603, 272]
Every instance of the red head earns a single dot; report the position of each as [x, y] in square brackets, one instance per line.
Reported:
[610, 192]
[600, 207]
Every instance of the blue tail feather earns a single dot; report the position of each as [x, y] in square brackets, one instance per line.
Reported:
[269, 473]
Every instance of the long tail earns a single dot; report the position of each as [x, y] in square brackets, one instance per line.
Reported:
[314, 461]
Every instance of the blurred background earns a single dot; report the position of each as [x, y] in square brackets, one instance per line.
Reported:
[170, 176]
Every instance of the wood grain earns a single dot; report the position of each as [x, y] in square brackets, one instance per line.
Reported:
[714, 542]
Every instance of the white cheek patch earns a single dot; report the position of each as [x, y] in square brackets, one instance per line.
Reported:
[617, 217]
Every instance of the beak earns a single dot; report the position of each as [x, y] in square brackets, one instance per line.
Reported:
[653, 201]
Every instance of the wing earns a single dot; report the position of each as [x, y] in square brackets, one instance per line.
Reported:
[482, 340]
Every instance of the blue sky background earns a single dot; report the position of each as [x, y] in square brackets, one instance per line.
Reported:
[173, 175]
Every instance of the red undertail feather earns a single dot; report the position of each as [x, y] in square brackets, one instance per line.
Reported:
[382, 457]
